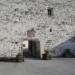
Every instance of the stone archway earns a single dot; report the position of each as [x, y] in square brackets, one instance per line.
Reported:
[67, 53]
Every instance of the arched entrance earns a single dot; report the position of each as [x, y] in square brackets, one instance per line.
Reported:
[67, 53]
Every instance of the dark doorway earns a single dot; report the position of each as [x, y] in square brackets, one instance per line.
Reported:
[67, 53]
[33, 49]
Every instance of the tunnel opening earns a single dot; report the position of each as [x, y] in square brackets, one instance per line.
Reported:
[67, 53]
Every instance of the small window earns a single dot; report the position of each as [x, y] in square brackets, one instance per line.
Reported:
[50, 30]
[50, 11]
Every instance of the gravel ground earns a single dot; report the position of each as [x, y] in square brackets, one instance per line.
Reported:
[56, 66]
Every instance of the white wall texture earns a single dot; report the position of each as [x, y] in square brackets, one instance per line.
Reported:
[18, 16]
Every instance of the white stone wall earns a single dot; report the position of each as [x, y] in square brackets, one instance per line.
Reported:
[18, 16]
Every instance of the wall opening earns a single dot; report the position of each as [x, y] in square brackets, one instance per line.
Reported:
[50, 11]
[50, 30]
[67, 53]
[33, 50]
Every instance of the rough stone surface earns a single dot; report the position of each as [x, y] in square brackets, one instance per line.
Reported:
[19, 16]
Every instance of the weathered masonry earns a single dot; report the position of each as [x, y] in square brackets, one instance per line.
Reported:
[33, 48]
[44, 24]
[32, 45]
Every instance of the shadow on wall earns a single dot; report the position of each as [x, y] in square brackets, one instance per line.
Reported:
[65, 49]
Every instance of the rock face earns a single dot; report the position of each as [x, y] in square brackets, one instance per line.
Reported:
[19, 16]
